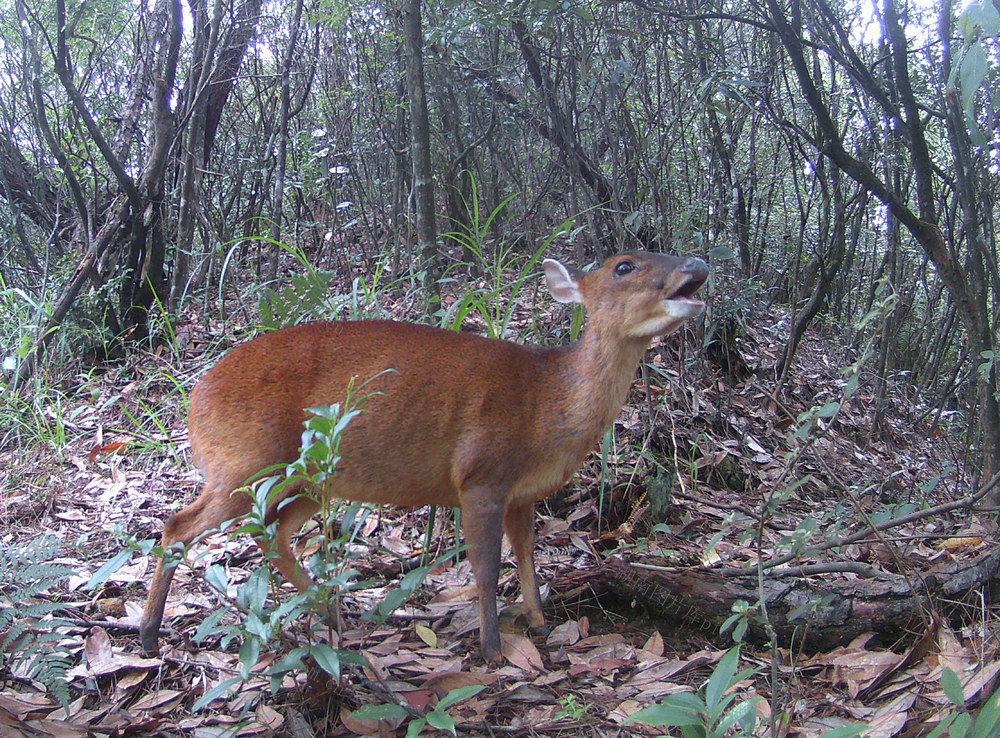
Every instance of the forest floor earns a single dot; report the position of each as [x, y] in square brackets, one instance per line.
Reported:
[111, 453]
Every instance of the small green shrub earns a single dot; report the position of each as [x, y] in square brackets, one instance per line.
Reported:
[710, 713]
[437, 718]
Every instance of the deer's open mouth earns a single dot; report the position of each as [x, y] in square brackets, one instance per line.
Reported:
[690, 287]
[681, 303]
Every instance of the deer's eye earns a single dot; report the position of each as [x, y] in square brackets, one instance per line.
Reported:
[624, 267]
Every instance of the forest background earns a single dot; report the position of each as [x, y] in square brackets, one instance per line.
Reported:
[168, 162]
[817, 153]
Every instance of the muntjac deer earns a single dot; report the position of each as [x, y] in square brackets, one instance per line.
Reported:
[490, 426]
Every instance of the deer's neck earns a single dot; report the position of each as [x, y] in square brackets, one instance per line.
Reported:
[597, 373]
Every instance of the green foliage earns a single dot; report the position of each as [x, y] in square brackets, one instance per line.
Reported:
[161, 323]
[437, 718]
[30, 624]
[693, 455]
[151, 425]
[304, 299]
[264, 622]
[978, 23]
[35, 419]
[710, 713]
[820, 417]
[570, 709]
[20, 316]
[308, 296]
[961, 724]
[987, 370]
[739, 621]
[496, 300]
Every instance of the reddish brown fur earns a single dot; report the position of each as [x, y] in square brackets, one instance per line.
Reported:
[487, 425]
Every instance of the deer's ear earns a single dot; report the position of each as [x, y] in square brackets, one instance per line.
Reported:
[563, 283]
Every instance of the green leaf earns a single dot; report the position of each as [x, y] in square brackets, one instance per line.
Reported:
[730, 622]
[108, 568]
[214, 693]
[414, 578]
[256, 627]
[442, 721]
[721, 253]
[721, 680]
[988, 720]
[941, 728]
[676, 711]
[972, 73]
[216, 577]
[289, 609]
[210, 625]
[743, 713]
[291, 661]
[960, 727]
[326, 658]
[983, 14]
[952, 687]
[801, 433]
[828, 410]
[852, 384]
[252, 595]
[342, 424]
[393, 599]
[846, 731]
[249, 653]
[353, 659]
[458, 695]
[379, 712]
[415, 728]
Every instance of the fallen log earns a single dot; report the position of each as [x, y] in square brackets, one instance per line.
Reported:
[814, 611]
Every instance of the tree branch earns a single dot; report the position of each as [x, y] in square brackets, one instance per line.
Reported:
[62, 69]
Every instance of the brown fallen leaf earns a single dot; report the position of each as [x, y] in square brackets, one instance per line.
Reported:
[952, 544]
[443, 682]
[161, 701]
[20, 706]
[565, 634]
[269, 717]
[521, 652]
[101, 659]
[654, 644]
[97, 649]
[418, 698]
[54, 728]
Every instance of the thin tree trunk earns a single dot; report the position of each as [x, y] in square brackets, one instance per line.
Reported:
[420, 144]
[827, 264]
[284, 116]
[206, 37]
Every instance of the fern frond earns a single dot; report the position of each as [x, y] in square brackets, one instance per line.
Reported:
[38, 610]
[25, 591]
[30, 639]
[45, 572]
[50, 666]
